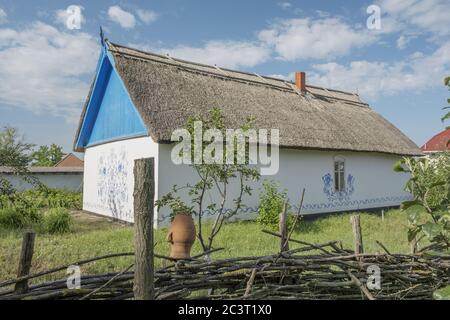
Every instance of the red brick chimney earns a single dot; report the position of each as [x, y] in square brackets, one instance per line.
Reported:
[300, 80]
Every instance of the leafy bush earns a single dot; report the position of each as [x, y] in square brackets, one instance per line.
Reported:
[54, 220]
[442, 294]
[12, 218]
[54, 198]
[6, 187]
[429, 213]
[271, 204]
[23, 209]
[176, 205]
[58, 220]
[16, 217]
[43, 198]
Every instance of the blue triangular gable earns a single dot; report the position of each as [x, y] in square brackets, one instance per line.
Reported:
[110, 113]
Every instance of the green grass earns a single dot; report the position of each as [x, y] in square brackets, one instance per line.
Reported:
[95, 236]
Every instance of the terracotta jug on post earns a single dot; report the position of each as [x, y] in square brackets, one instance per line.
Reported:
[181, 236]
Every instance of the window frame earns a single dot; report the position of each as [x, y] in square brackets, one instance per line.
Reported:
[339, 174]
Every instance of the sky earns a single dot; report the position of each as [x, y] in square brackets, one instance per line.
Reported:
[394, 54]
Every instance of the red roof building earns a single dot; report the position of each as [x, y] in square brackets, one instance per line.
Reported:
[438, 143]
[70, 160]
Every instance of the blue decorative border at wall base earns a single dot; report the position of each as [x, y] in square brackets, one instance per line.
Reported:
[371, 210]
[322, 208]
[354, 203]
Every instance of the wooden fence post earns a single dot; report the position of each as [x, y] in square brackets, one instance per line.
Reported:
[414, 246]
[283, 228]
[357, 235]
[144, 194]
[26, 255]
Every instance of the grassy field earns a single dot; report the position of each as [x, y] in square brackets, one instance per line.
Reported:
[93, 236]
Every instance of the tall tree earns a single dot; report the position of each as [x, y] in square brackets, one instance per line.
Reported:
[47, 156]
[16, 154]
[14, 151]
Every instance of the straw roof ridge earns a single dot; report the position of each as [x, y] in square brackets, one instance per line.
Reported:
[235, 74]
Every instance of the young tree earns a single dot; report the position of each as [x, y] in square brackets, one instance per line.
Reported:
[47, 156]
[212, 178]
[14, 153]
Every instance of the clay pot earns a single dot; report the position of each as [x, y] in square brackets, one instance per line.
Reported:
[181, 236]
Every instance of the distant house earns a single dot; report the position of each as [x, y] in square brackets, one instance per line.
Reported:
[66, 174]
[70, 160]
[331, 143]
[69, 178]
[438, 143]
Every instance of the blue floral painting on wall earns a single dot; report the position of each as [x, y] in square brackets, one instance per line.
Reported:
[112, 186]
[332, 194]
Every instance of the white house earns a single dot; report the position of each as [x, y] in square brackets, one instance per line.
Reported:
[331, 143]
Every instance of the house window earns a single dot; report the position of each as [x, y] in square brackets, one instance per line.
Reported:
[339, 175]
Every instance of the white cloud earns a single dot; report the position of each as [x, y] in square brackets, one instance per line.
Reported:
[289, 77]
[416, 73]
[314, 39]
[323, 14]
[285, 5]
[122, 17]
[228, 54]
[41, 69]
[63, 15]
[147, 16]
[403, 41]
[3, 16]
[422, 15]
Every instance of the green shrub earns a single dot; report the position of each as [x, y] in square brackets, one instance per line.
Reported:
[16, 217]
[271, 204]
[12, 218]
[43, 198]
[23, 209]
[442, 294]
[6, 188]
[32, 215]
[58, 220]
[429, 213]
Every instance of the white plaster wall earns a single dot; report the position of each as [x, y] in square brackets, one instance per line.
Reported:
[375, 183]
[108, 190]
[108, 176]
[69, 181]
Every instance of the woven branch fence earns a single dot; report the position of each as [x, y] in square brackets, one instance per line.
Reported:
[311, 271]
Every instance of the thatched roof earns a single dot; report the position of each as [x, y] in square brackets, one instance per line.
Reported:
[166, 91]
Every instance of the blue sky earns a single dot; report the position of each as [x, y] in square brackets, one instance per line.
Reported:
[46, 68]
